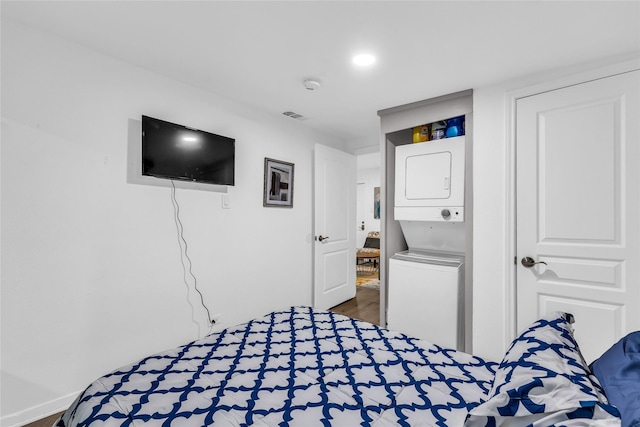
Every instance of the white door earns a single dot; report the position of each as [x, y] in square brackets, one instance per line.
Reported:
[335, 235]
[578, 208]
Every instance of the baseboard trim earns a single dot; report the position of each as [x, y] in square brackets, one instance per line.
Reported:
[38, 412]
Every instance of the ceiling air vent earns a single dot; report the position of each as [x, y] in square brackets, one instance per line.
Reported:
[294, 115]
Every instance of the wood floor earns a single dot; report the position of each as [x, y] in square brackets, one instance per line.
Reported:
[364, 306]
[45, 422]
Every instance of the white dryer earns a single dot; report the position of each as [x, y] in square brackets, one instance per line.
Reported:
[430, 181]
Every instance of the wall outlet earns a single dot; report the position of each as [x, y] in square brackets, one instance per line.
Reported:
[217, 319]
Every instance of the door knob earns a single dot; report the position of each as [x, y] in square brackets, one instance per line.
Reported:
[530, 262]
[321, 237]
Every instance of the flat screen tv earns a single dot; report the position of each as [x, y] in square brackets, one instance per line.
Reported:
[176, 152]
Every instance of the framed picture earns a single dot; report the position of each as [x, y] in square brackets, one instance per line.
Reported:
[376, 202]
[278, 184]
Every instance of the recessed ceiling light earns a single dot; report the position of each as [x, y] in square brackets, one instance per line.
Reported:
[364, 59]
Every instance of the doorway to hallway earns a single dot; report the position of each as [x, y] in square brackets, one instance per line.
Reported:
[366, 304]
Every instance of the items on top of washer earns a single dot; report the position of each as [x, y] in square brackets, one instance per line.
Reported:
[421, 133]
[437, 129]
[441, 129]
[455, 127]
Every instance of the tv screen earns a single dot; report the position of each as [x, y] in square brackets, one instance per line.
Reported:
[173, 151]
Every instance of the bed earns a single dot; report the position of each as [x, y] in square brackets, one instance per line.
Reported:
[307, 367]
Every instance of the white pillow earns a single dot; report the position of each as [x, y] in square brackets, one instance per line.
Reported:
[543, 380]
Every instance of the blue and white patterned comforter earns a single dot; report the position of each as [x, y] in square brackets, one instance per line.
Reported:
[299, 367]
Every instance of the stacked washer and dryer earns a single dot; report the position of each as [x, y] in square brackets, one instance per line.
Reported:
[426, 282]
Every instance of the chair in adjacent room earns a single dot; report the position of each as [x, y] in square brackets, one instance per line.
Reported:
[368, 257]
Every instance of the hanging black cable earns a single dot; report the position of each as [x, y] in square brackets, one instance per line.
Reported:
[184, 250]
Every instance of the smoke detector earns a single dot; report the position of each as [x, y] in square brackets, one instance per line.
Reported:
[311, 84]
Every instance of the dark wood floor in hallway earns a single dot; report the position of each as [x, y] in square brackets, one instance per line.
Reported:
[364, 306]
[45, 422]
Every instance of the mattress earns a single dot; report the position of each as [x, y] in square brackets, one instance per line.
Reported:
[296, 367]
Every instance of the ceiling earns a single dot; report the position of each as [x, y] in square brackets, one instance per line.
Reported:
[259, 52]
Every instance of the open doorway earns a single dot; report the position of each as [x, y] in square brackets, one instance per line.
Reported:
[366, 304]
[368, 195]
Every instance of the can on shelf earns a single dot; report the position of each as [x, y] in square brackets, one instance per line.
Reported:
[421, 133]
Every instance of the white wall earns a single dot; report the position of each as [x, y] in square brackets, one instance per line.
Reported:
[490, 202]
[91, 273]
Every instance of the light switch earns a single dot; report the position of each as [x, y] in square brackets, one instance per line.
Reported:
[226, 203]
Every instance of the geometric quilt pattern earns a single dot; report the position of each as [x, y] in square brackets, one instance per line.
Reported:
[544, 381]
[296, 367]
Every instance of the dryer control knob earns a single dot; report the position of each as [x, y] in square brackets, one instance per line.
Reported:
[446, 214]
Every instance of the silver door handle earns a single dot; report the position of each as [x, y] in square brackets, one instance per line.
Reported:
[530, 262]
[321, 238]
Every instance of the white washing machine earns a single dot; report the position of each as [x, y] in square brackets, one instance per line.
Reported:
[426, 296]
